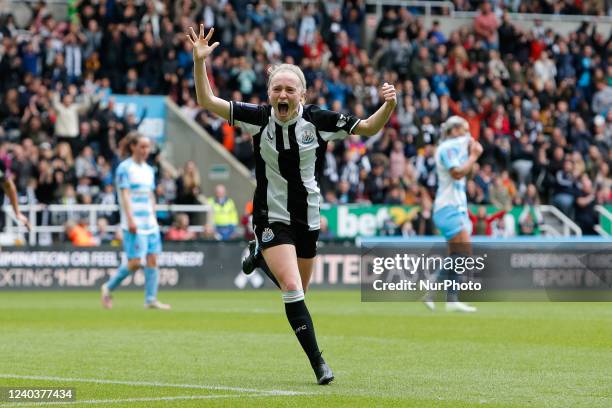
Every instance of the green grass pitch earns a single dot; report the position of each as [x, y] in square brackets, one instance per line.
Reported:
[236, 349]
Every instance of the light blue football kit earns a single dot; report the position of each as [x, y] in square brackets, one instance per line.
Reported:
[450, 206]
[139, 179]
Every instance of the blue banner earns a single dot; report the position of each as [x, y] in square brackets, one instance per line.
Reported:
[153, 108]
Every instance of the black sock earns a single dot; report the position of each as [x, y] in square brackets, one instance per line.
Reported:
[301, 323]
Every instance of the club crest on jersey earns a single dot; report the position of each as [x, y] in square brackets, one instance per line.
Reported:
[308, 137]
[452, 153]
[341, 121]
[267, 235]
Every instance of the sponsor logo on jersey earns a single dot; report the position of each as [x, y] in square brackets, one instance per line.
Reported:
[267, 235]
[341, 121]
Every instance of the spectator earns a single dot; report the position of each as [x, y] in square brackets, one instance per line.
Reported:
[545, 71]
[46, 188]
[423, 223]
[78, 234]
[67, 121]
[108, 197]
[376, 184]
[22, 168]
[522, 157]
[225, 214]
[474, 192]
[188, 185]
[482, 223]
[85, 164]
[169, 186]
[602, 100]
[104, 171]
[586, 216]
[103, 236]
[486, 25]
[565, 189]
[397, 160]
[209, 232]
[325, 233]
[529, 221]
[179, 231]
[500, 195]
[504, 227]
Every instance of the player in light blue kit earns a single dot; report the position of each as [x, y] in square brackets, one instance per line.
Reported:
[141, 237]
[455, 157]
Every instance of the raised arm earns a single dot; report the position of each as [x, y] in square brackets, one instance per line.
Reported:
[454, 106]
[201, 50]
[461, 171]
[376, 122]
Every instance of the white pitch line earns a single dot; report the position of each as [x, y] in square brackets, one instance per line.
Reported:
[152, 384]
[143, 399]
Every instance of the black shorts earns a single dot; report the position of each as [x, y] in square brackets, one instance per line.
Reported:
[277, 233]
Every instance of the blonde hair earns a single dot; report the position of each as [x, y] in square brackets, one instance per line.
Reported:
[64, 152]
[275, 69]
[450, 124]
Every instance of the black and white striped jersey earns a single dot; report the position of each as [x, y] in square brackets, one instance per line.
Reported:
[289, 157]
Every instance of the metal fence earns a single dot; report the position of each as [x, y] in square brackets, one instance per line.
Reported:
[47, 220]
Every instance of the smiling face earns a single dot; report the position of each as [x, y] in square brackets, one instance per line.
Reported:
[285, 94]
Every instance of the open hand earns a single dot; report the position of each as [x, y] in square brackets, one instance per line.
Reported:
[132, 226]
[201, 49]
[24, 220]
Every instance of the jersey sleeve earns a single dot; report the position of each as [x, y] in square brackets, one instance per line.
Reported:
[332, 125]
[123, 180]
[450, 157]
[249, 117]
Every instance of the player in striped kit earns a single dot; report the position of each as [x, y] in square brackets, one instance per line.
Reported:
[141, 237]
[290, 140]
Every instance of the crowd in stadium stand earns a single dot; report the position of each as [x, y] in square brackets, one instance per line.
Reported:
[589, 7]
[539, 102]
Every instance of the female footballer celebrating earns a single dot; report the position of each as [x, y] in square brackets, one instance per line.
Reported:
[289, 141]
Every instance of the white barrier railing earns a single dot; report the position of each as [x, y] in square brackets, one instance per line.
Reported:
[547, 18]
[426, 5]
[603, 211]
[569, 227]
[57, 214]
[598, 229]
[549, 231]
